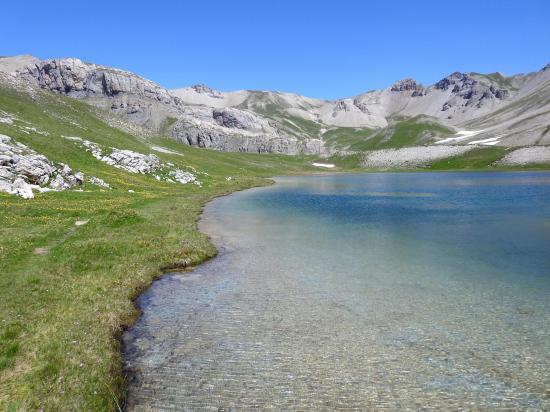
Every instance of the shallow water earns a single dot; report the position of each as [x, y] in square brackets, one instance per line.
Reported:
[390, 290]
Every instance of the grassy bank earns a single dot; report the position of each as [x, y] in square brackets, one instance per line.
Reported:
[63, 310]
[66, 291]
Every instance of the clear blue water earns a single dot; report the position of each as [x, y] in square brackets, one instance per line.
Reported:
[389, 290]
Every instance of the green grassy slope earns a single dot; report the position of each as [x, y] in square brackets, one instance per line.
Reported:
[293, 125]
[402, 133]
[61, 312]
[476, 159]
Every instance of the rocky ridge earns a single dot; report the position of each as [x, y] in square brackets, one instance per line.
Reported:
[150, 105]
[515, 108]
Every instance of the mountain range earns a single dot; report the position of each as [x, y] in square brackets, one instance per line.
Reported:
[460, 109]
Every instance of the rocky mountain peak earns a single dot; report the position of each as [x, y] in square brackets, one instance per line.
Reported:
[456, 79]
[466, 91]
[202, 88]
[342, 106]
[12, 64]
[407, 85]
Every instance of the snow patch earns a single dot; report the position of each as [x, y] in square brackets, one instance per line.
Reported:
[161, 149]
[325, 165]
[491, 141]
[461, 135]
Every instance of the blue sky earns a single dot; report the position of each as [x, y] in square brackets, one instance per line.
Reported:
[318, 49]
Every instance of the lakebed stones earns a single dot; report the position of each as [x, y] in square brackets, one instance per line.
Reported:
[22, 170]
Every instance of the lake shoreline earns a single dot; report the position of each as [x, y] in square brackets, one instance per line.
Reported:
[218, 243]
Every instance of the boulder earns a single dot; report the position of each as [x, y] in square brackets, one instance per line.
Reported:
[36, 168]
[182, 177]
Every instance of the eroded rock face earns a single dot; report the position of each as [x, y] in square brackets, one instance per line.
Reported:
[204, 89]
[342, 106]
[128, 93]
[239, 119]
[75, 78]
[362, 106]
[454, 79]
[36, 168]
[472, 92]
[263, 143]
[22, 170]
[146, 103]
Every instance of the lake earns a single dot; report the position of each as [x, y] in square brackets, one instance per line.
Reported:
[379, 290]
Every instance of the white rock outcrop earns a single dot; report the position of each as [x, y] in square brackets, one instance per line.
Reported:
[22, 170]
[182, 177]
[135, 162]
[132, 162]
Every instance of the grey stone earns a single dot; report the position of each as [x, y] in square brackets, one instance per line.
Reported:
[99, 182]
[58, 183]
[22, 188]
[25, 170]
[5, 160]
[132, 162]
